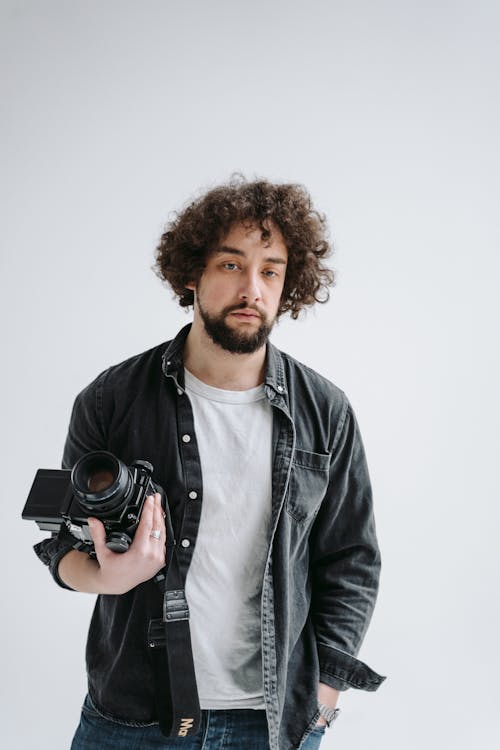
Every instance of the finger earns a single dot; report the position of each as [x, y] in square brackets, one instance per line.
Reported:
[159, 517]
[146, 522]
[98, 534]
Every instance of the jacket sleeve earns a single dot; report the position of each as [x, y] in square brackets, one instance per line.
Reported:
[345, 564]
[86, 433]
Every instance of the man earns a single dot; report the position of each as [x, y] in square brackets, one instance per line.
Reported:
[267, 484]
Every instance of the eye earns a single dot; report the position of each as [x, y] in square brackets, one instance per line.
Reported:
[270, 274]
[230, 266]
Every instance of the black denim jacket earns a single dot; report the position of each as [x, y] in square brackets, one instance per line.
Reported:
[321, 577]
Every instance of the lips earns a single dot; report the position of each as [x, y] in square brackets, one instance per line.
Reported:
[245, 314]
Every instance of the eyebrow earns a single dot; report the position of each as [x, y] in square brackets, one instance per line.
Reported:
[236, 251]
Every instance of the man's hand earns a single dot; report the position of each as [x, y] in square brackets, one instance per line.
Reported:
[118, 572]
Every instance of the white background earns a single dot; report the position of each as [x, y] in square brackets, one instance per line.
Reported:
[114, 114]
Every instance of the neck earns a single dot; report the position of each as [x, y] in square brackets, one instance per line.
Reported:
[219, 368]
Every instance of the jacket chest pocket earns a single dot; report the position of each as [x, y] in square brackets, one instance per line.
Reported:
[308, 483]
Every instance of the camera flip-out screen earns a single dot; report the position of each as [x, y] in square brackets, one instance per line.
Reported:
[48, 485]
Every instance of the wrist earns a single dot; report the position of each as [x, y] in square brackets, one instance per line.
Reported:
[111, 581]
[327, 713]
[328, 695]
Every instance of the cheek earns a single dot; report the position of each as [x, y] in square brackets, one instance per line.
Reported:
[276, 299]
[213, 294]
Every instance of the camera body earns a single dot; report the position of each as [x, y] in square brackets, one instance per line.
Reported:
[99, 485]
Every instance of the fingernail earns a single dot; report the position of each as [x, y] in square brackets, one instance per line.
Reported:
[91, 521]
[151, 499]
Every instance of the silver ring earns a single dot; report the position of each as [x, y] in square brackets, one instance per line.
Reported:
[156, 533]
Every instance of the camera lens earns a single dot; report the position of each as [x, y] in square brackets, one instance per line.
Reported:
[101, 480]
[102, 483]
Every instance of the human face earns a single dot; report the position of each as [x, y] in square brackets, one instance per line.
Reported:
[239, 292]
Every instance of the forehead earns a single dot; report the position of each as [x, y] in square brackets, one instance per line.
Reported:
[249, 237]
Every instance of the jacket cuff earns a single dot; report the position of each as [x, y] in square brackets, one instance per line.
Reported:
[340, 670]
[50, 552]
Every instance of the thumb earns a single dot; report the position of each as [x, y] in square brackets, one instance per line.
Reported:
[98, 534]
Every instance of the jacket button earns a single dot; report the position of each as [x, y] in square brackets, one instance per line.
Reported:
[193, 495]
[185, 543]
[280, 388]
[186, 438]
[180, 391]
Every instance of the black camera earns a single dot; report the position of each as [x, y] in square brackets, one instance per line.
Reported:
[100, 485]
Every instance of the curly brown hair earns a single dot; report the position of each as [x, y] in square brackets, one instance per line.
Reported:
[194, 232]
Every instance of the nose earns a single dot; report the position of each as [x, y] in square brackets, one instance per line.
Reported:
[250, 290]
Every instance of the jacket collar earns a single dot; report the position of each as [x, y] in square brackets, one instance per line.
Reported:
[173, 365]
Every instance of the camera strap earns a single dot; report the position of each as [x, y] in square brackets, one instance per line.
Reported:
[169, 640]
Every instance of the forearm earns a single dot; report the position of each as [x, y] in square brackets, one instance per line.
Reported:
[80, 572]
[328, 695]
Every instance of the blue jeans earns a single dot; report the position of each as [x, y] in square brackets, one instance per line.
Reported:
[238, 729]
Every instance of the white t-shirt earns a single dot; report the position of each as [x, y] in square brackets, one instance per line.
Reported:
[224, 582]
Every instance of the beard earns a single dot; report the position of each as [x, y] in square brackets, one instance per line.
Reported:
[236, 342]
